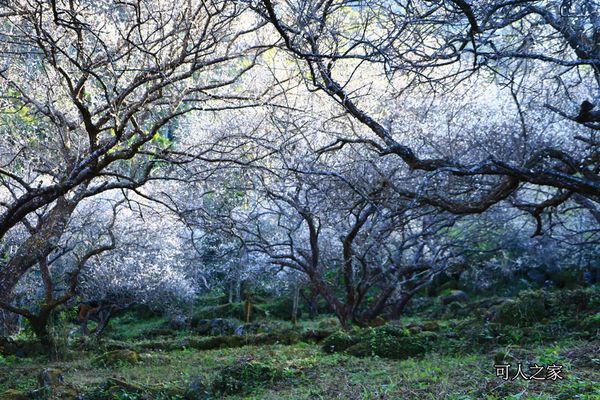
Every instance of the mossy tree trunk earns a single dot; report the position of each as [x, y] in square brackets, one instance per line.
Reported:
[311, 302]
[247, 309]
[40, 324]
[295, 300]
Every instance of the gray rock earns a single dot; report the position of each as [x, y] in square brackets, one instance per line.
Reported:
[220, 326]
[215, 327]
[178, 323]
[250, 329]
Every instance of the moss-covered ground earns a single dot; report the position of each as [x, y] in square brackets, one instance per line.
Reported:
[454, 359]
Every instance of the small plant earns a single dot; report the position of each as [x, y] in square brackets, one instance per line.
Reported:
[7, 361]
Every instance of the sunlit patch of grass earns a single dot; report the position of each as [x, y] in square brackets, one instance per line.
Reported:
[128, 328]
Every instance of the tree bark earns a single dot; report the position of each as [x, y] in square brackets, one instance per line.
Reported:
[36, 247]
[295, 301]
[39, 325]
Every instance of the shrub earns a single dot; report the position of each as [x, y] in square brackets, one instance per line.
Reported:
[329, 323]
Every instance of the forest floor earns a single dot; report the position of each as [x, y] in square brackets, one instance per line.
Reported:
[140, 358]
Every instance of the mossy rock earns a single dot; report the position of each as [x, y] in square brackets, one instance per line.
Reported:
[471, 331]
[316, 335]
[386, 330]
[505, 312]
[242, 377]
[50, 378]
[252, 329]
[12, 394]
[288, 337]
[527, 309]
[215, 327]
[388, 341]
[157, 332]
[414, 328]
[218, 342]
[51, 385]
[116, 357]
[377, 321]
[338, 341]
[165, 344]
[429, 336]
[396, 348]
[361, 349]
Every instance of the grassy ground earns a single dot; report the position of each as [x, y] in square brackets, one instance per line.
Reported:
[306, 372]
[459, 364]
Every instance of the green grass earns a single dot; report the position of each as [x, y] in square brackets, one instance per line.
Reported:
[308, 373]
[459, 363]
[128, 328]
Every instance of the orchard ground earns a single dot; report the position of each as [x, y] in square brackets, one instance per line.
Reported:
[447, 352]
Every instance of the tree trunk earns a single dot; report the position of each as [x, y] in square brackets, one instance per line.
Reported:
[9, 323]
[238, 289]
[36, 247]
[247, 309]
[342, 312]
[295, 301]
[311, 302]
[401, 304]
[39, 325]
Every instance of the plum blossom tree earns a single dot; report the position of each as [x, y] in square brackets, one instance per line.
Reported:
[441, 51]
[94, 87]
[55, 281]
[150, 264]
